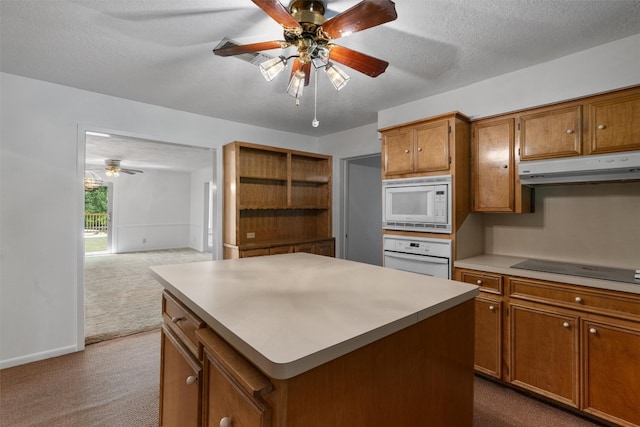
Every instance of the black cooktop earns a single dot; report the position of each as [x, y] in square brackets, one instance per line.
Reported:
[581, 270]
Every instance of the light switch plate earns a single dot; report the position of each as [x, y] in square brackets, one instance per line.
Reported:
[251, 235]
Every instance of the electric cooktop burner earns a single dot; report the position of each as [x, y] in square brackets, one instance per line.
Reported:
[581, 270]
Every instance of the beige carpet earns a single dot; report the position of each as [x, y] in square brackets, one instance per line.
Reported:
[116, 384]
[121, 295]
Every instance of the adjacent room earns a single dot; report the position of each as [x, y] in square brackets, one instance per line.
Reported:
[310, 213]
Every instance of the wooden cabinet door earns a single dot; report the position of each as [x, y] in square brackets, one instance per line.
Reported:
[551, 133]
[614, 125]
[488, 337]
[398, 152]
[431, 147]
[325, 248]
[611, 371]
[493, 166]
[544, 352]
[180, 376]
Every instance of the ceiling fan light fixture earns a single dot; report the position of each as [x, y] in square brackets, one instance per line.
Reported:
[337, 76]
[296, 84]
[112, 172]
[272, 67]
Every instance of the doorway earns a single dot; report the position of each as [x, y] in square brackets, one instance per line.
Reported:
[98, 206]
[363, 209]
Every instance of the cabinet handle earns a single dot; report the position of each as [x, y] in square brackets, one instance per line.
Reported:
[479, 282]
[601, 126]
[192, 379]
[578, 299]
[177, 319]
[593, 331]
[566, 324]
[492, 308]
[406, 151]
[226, 422]
[569, 131]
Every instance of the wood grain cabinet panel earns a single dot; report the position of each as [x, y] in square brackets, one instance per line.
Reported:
[611, 370]
[551, 133]
[432, 147]
[398, 151]
[488, 337]
[544, 352]
[180, 376]
[614, 123]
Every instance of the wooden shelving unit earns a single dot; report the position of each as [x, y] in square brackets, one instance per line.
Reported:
[275, 201]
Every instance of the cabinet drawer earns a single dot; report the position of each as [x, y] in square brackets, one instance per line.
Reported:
[488, 282]
[181, 321]
[306, 247]
[254, 252]
[612, 303]
[281, 250]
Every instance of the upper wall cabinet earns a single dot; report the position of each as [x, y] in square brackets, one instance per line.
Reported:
[425, 147]
[551, 133]
[614, 122]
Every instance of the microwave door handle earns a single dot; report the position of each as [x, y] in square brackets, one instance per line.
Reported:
[421, 258]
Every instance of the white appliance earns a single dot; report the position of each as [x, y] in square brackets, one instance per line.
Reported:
[431, 257]
[417, 204]
[593, 168]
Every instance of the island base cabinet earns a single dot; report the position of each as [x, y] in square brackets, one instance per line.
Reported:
[180, 375]
[419, 376]
[544, 352]
[611, 371]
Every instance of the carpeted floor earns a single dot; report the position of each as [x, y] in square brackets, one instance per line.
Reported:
[121, 295]
[116, 384]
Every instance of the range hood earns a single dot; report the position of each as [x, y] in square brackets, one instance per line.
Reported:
[594, 168]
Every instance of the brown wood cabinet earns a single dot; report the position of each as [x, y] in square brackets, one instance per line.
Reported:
[496, 186]
[551, 133]
[577, 345]
[274, 198]
[424, 147]
[614, 122]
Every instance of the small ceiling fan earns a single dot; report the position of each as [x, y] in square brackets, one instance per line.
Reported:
[306, 28]
[113, 169]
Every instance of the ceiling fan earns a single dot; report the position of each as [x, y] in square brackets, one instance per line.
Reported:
[113, 169]
[306, 28]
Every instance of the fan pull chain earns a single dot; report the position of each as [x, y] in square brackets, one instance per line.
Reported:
[315, 121]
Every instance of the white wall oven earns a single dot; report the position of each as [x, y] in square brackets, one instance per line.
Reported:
[431, 257]
[417, 204]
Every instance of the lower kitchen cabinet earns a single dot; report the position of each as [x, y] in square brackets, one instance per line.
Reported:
[544, 352]
[488, 337]
[180, 376]
[579, 346]
[611, 370]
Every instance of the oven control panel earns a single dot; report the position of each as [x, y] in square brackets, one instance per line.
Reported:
[418, 246]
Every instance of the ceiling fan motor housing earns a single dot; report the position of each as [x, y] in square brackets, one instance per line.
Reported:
[311, 11]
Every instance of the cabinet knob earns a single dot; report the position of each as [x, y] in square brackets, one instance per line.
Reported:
[406, 151]
[177, 319]
[569, 131]
[479, 282]
[192, 379]
[505, 166]
[419, 148]
[601, 126]
[578, 299]
[492, 308]
[593, 331]
[566, 324]
[226, 422]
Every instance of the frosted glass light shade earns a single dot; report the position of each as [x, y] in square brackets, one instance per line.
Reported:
[296, 84]
[337, 77]
[272, 67]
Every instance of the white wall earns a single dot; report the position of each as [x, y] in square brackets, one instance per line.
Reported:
[41, 170]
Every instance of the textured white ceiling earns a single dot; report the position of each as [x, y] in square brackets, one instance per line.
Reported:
[159, 52]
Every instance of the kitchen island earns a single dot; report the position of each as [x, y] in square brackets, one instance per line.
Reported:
[307, 340]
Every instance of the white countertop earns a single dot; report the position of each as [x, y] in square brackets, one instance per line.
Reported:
[290, 313]
[501, 264]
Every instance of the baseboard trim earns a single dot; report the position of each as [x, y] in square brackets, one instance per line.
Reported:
[22, 360]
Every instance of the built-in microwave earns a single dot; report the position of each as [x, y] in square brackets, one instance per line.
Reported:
[417, 204]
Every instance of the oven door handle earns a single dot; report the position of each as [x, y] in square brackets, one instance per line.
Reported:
[420, 258]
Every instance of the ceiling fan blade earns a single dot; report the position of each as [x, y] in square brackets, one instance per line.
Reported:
[131, 171]
[366, 14]
[306, 68]
[248, 48]
[277, 11]
[366, 64]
